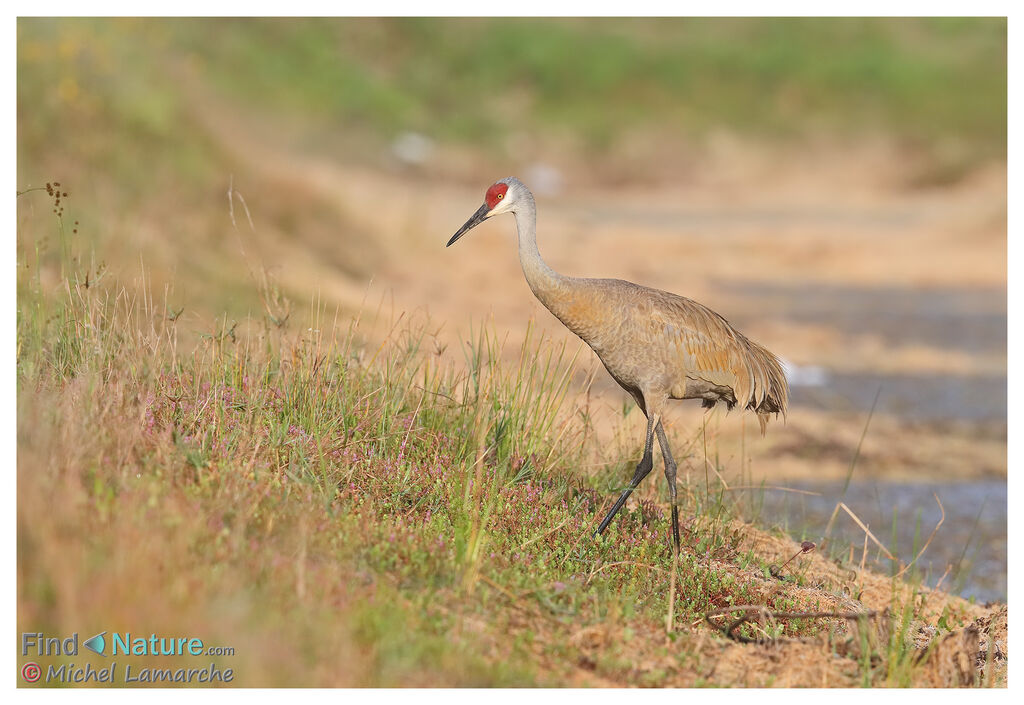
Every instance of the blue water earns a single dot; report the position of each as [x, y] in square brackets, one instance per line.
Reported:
[917, 397]
[970, 320]
[967, 321]
[971, 541]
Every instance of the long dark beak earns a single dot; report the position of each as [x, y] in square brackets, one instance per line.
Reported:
[478, 217]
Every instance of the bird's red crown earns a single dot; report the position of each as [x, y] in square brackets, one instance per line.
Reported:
[495, 194]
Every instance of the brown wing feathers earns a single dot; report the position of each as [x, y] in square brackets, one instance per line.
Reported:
[718, 350]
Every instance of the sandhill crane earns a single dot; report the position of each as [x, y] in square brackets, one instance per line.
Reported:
[656, 345]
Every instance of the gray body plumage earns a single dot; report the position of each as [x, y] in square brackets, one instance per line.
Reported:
[658, 345]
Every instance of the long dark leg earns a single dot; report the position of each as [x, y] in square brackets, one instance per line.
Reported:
[670, 477]
[642, 470]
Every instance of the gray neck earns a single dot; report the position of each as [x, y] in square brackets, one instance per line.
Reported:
[543, 280]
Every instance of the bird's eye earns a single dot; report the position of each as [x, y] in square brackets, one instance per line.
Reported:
[501, 196]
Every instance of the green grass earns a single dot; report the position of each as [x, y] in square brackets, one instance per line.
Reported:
[344, 513]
